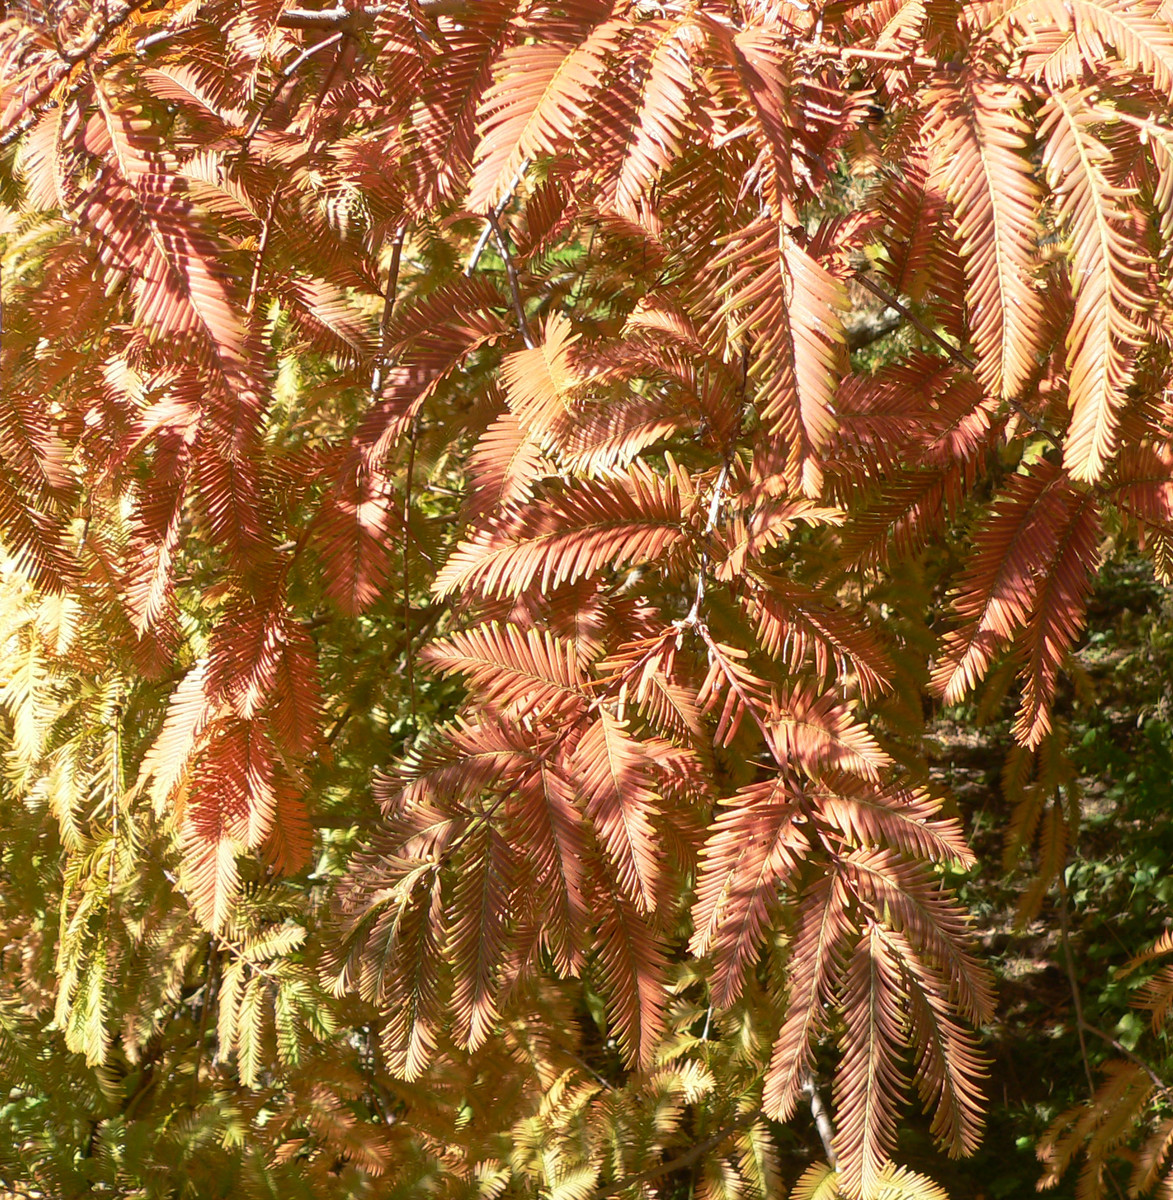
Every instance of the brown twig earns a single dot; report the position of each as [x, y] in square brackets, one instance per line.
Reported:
[681, 1160]
[962, 360]
[514, 285]
[389, 297]
[343, 717]
[498, 209]
[1076, 999]
[262, 245]
[354, 20]
[899, 57]
[211, 979]
[1157, 1081]
[822, 1121]
[409, 645]
[892, 302]
[27, 112]
[286, 75]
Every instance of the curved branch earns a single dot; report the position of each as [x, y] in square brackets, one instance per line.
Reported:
[681, 1160]
[29, 110]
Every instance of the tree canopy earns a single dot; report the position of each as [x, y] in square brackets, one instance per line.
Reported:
[511, 512]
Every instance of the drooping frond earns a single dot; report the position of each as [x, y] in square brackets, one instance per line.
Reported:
[145, 223]
[871, 1074]
[791, 307]
[514, 671]
[995, 596]
[949, 1067]
[753, 847]
[978, 143]
[1107, 275]
[574, 534]
[915, 237]
[611, 771]
[352, 530]
[551, 834]
[631, 969]
[478, 936]
[1059, 609]
[906, 897]
[665, 96]
[188, 714]
[540, 92]
[409, 933]
[824, 930]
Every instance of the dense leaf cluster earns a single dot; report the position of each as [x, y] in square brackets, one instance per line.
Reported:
[469, 618]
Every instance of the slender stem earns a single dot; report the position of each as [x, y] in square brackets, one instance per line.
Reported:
[262, 245]
[352, 20]
[343, 717]
[1157, 1081]
[1076, 999]
[514, 286]
[116, 788]
[956, 355]
[500, 207]
[388, 311]
[933, 336]
[286, 75]
[901, 57]
[822, 1121]
[210, 981]
[409, 647]
[586, 1066]
[711, 524]
[681, 1160]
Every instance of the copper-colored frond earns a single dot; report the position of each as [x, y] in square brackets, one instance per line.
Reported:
[541, 91]
[902, 819]
[807, 629]
[539, 383]
[904, 894]
[635, 517]
[752, 848]
[408, 938]
[479, 932]
[871, 1075]
[1060, 607]
[631, 969]
[996, 593]
[1107, 278]
[824, 929]
[512, 670]
[611, 771]
[978, 141]
[665, 96]
[551, 834]
[504, 467]
[792, 306]
[814, 732]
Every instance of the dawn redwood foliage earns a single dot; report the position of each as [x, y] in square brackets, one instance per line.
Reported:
[526, 325]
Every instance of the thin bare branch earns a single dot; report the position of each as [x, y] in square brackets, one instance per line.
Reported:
[514, 285]
[28, 111]
[388, 310]
[683, 1160]
[822, 1121]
